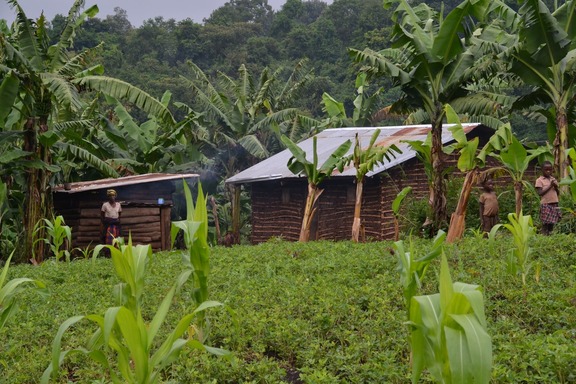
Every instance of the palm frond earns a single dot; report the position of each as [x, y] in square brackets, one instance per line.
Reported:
[63, 91]
[252, 144]
[74, 125]
[88, 158]
[26, 37]
[215, 105]
[380, 64]
[122, 90]
[75, 66]
[276, 117]
[245, 85]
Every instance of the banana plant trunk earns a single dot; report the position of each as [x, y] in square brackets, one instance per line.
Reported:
[357, 223]
[438, 185]
[38, 199]
[518, 190]
[309, 210]
[561, 145]
[458, 218]
[236, 213]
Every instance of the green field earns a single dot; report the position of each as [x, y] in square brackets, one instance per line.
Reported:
[320, 312]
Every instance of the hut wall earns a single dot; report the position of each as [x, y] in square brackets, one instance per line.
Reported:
[142, 217]
[336, 209]
[277, 209]
[409, 174]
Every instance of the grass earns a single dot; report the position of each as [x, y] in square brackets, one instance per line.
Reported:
[320, 312]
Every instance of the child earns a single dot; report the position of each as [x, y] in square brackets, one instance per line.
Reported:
[488, 206]
[547, 188]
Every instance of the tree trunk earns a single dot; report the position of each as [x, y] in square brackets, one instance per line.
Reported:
[561, 145]
[38, 196]
[438, 184]
[518, 188]
[458, 219]
[216, 221]
[356, 224]
[236, 213]
[309, 210]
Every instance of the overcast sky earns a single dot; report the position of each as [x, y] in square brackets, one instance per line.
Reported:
[138, 10]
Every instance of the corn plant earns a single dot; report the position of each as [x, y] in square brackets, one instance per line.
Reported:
[396, 210]
[195, 229]
[123, 335]
[413, 269]
[522, 230]
[9, 291]
[58, 237]
[449, 335]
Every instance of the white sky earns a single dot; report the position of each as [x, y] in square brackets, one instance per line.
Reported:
[138, 10]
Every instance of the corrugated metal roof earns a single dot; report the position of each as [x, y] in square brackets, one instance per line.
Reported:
[275, 167]
[84, 186]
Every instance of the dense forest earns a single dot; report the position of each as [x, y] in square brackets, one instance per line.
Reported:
[246, 32]
[156, 55]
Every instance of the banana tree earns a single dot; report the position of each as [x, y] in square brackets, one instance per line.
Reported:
[365, 107]
[244, 118]
[432, 60]
[544, 57]
[515, 159]
[364, 161]
[299, 164]
[47, 82]
[470, 161]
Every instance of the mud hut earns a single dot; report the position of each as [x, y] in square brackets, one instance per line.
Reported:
[146, 200]
[278, 196]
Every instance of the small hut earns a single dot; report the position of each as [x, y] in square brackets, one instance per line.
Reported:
[146, 200]
[278, 195]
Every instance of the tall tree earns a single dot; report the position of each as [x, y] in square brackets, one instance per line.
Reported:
[245, 118]
[545, 58]
[433, 61]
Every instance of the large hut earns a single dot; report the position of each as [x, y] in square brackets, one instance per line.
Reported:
[146, 200]
[278, 195]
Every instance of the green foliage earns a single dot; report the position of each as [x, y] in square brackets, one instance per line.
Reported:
[396, 204]
[570, 179]
[366, 159]
[195, 229]
[519, 258]
[331, 311]
[9, 290]
[124, 340]
[316, 173]
[449, 333]
[412, 268]
[58, 237]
